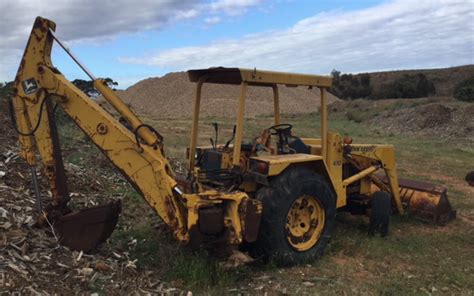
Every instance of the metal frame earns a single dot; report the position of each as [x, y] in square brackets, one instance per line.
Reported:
[244, 78]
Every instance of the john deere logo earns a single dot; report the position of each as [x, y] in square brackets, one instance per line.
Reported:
[29, 85]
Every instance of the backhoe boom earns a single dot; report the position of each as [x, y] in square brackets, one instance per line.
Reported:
[137, 154]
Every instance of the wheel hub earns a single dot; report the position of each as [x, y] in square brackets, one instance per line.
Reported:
[304, 223]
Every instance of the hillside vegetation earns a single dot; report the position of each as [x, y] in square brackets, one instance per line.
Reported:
[5, 89]
[403, 84]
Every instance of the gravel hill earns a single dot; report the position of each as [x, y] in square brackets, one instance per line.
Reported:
[172, 96]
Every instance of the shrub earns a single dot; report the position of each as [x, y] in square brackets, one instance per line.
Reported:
[464, 91]
[6, 89]
[353, 116]
[348, 86]
[408, 86]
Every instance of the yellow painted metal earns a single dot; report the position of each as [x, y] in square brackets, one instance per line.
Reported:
[240, 124]
[329, 147]
[360, 175]
[232, 219]
[312, 141]
[124, 111]
[29, 101]
[145, 167]
[304, 223]
[334, 161]
[278, 163]
[24, 126]
[385, 154]
[324, 124]
[258, 77]
[365, 186]
[276, 103]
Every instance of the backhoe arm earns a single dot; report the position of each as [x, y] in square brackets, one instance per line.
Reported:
[137, 155]
[195, 218]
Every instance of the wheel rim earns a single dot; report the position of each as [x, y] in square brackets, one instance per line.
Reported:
[304, 223]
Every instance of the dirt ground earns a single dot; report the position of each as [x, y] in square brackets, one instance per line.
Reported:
[416, 258]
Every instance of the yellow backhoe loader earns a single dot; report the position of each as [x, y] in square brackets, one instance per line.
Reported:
[279, 200]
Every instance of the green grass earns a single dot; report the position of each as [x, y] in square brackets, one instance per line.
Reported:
[188, 269]
[416, 259]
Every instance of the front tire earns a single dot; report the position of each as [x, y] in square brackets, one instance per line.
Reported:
[299, 209]
[381, 204]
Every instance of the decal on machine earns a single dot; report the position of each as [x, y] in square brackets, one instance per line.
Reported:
[363, 149]
[29, 85]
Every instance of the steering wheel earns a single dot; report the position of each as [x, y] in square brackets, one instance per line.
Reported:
[280, 128]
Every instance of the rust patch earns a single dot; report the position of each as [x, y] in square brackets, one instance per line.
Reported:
[171, 212]
[425, 201]
[211, 220]
[251, 214]
[422, 186]
[58, 178]
[102, 128]
[87, 228]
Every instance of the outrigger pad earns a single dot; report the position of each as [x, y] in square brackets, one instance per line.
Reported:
[87, 228]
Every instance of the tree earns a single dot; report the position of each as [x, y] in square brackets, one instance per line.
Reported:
[6, 89]
[464, 91]
[408, 86]
[349, 86]
[87, 86]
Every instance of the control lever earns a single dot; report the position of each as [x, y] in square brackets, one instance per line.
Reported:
[231, 139]
[216, 128]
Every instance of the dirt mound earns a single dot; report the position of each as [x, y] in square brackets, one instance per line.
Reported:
[431, 119]
[172, 96]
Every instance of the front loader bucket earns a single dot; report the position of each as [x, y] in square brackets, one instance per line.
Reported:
[87, 228]
[426, 201]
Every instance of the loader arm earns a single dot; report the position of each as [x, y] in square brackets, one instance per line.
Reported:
[38, 86]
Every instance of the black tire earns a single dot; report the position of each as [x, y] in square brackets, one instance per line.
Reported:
[381, 209]
[277, 200]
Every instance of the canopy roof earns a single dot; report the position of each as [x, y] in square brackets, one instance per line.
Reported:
[223, 75]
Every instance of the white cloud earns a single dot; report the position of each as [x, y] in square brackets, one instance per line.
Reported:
[393, 35]
[233, 7]
[212, 20]
[93, 21]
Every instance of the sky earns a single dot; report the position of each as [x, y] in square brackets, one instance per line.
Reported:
[133, 40]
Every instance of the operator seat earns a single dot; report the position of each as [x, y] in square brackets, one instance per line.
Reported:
[297, 145]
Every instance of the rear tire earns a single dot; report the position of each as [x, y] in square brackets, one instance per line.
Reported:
[299, 209]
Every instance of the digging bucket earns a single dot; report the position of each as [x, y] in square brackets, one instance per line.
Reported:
[426, 201]
[87, 228]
